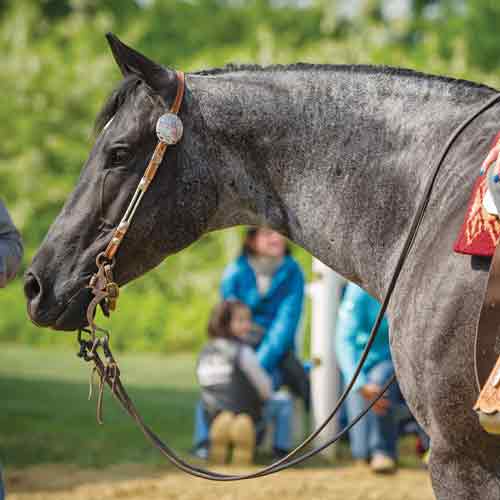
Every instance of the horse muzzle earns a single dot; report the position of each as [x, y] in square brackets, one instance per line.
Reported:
[71, 316]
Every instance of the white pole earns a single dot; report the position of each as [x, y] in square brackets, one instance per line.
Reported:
[325, 294]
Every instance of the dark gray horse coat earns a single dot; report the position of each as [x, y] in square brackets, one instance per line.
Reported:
[334, 157]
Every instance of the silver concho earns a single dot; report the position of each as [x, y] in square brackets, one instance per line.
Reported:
[169, 128]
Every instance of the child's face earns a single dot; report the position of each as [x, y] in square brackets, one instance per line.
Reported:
[241, 322]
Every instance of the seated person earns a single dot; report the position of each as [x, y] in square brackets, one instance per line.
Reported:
[270, 282]
[233, 385]
[374, 437]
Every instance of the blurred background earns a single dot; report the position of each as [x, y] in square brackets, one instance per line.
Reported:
[56, 72]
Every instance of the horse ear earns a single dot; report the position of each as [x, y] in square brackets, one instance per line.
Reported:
[159, 78]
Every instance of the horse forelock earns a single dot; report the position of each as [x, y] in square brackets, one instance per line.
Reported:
[125, 90]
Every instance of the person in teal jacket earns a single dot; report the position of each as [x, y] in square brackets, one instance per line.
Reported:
[374, 437]
[267, 279]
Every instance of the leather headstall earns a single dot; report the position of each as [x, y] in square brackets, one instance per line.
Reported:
[169, 130]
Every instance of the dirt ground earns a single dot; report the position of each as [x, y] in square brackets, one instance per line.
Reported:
[135, 482]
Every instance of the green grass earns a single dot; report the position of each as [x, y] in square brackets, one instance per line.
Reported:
[46, 416]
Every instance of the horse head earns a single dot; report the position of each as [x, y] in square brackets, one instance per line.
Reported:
[173, 213]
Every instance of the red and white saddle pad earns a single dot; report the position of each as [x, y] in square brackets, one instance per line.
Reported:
[480, 231]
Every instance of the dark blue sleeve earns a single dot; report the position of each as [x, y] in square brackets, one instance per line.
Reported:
[11, 247]
[280, 336]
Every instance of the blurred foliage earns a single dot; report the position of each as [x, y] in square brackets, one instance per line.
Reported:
[57, 71]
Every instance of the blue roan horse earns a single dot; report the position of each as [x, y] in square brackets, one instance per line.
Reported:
[335, 158]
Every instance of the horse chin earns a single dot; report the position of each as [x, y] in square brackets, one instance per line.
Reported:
[74, 315]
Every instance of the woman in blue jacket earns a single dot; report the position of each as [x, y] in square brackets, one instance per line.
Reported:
[270, 282]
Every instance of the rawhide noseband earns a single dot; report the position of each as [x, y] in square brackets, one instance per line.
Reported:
[105, 290]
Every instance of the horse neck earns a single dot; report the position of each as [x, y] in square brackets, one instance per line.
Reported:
[335, 159]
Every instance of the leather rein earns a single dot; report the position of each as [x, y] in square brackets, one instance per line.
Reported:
[106, 292]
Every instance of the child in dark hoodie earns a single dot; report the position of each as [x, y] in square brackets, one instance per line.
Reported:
[234, 387]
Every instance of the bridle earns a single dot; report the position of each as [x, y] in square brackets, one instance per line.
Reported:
[106, 291]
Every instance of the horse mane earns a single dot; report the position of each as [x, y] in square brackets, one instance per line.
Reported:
[128, 85]
[344, 68]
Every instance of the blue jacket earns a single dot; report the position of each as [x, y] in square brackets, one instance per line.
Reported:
[357, 315]
[278, 312]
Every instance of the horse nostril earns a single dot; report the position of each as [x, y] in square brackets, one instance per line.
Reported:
[32, 287]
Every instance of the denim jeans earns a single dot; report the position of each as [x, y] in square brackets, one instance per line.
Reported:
[278, 410]
[375, 433]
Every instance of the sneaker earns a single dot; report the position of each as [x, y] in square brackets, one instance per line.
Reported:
[382, 464]
[242, 433]
[200, 451]
[220, 439]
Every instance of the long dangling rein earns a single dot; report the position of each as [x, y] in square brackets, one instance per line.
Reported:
[169, 130]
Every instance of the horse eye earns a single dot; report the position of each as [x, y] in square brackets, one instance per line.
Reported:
[119, 157]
